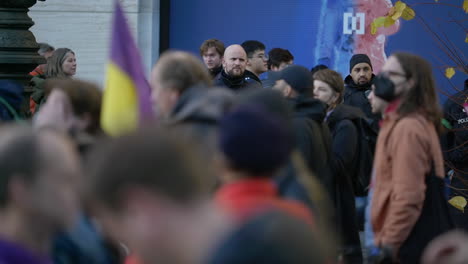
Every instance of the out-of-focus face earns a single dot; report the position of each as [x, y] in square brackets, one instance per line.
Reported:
[212, 58]
[234, 61]
[162, 98]
[258, 63]
[69, 64]
[282, 65]
[393, 70]
[324, 93]
[139, 223]
[361, 73]
[54, 196]
[378, 105]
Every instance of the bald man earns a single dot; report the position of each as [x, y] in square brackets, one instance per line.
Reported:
[233, 74]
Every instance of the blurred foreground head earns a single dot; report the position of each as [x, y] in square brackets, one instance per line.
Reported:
[146, 188]
[39, 180]
[254, 142]
[173, 74]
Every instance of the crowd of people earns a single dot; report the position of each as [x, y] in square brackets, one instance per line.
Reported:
[301, 166]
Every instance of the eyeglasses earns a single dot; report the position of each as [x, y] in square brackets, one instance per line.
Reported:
[393, 73]
[261, 56]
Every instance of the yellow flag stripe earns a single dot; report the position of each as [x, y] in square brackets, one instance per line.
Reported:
[119, 104]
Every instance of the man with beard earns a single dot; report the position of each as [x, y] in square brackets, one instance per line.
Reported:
[358, 86]
[233, 73]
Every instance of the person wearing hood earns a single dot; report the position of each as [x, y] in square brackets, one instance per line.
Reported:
[358, 85]
[329, 88]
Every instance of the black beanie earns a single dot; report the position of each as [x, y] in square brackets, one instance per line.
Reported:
[359, 58]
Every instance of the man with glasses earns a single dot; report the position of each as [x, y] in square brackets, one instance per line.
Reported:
[358, 86]
[257, 59]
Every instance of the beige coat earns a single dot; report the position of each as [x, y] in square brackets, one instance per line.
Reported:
[406, 150]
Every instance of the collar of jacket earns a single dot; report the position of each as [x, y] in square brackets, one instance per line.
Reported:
[14, 253]
[351, 84]
[251, 75]
[232, 81]
[308, 107]
[260, 188]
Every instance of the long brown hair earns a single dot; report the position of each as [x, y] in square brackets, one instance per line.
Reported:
[422, 97]
[55, 62]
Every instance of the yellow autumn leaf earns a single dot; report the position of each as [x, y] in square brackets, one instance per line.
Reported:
[389, 21]
[408, 13]
[465, 6]
[458, 202]
[399, 8]
[378, 22]
[449, 72]
[466, 39]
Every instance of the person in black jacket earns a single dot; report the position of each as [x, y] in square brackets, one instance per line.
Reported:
[233, 75]
[257, 59]
[314, 142]
[455, 149]
[358, 86]
[329, 88]
[312, 135]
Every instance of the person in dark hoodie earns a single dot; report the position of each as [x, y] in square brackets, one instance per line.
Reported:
[329, 88]
[233, 75]
[455, 149]
[358, 85]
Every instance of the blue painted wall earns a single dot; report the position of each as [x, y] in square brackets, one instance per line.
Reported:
[311, 31]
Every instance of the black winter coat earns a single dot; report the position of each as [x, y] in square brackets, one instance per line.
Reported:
[312, 136]
[455, 150]
[314, 142]
[345, 142]
[355, 95]
[236, 84]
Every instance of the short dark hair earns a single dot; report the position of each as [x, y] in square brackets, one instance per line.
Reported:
[85, 98]
[153, 159]
[317, 68]
[19, 157]
[250, 46]
[212, 43]
[278, 55]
